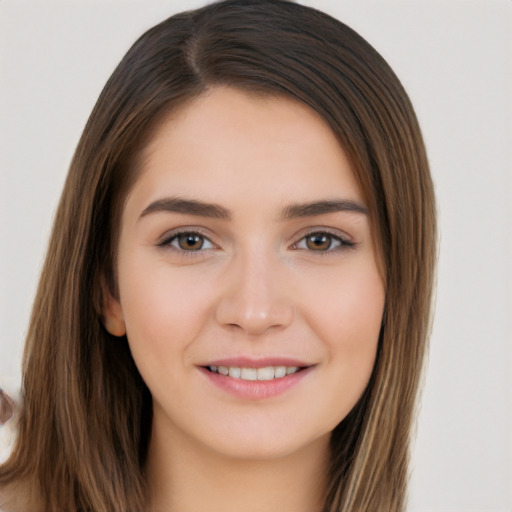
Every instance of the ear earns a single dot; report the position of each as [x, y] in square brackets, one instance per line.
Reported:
[112, 313]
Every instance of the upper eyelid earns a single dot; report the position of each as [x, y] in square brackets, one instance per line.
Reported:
[185, 229]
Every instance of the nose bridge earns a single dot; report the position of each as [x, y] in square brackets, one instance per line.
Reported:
[255, 296]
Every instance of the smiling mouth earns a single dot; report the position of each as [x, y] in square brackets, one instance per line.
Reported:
[255, 374]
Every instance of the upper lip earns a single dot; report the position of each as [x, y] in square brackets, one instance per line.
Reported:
[260, 362]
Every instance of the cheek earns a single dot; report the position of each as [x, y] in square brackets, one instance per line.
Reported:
[164, 312]
[347, 317]
[349, 305]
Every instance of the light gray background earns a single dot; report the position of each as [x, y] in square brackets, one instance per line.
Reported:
[454, 59]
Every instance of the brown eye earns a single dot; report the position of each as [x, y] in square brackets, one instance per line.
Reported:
[322, 242]
[187, 241]
[319, 241]
[190, 241]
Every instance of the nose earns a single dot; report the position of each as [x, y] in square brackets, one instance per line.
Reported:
[255, 296]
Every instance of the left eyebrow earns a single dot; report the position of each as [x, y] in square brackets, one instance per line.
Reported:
[312, 209]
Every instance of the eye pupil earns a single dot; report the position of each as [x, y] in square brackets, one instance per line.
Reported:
[318, 242]
[190, 242]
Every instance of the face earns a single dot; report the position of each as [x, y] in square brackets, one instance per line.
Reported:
[249, 288]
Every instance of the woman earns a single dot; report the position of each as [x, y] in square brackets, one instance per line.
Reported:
[235, 302]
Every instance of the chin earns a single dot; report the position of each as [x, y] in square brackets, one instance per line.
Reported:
[255, 442]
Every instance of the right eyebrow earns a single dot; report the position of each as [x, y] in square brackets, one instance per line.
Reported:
[187, 207]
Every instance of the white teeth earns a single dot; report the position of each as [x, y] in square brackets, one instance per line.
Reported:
[249, 374]
[235, 372]
[280, 371]
[266, 373]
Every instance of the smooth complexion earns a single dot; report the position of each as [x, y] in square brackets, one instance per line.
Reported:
[245, 244]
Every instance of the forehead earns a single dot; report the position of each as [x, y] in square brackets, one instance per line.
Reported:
[232, 146]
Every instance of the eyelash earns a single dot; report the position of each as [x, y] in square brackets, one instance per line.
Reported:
[168, 242]
[342, 243]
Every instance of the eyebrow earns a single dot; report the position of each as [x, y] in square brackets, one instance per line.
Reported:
[293, 211]
[187, 206]
[314, 208]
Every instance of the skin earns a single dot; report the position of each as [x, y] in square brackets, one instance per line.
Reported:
[260, 285]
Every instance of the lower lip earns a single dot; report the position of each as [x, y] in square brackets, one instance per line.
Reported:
[255, 389]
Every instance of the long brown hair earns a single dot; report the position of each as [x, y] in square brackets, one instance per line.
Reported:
[84, 428]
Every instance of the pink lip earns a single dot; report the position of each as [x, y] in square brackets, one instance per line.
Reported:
[249, 362]
[255, 389]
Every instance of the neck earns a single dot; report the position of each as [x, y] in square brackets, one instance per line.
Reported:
[187, 478]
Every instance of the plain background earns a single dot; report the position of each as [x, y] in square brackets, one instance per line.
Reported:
[454, 59]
